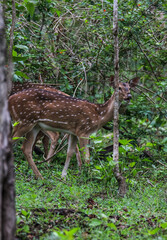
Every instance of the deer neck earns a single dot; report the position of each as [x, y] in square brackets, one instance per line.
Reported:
[106, 111]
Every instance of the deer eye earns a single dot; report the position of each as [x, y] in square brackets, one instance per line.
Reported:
[119, 88]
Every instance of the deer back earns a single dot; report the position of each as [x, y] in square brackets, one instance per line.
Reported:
[18, 87]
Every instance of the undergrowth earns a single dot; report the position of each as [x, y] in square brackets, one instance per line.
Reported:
[87, 205]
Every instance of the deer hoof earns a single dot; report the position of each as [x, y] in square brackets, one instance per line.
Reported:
[63, 176]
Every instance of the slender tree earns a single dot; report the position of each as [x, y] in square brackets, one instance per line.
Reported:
[7, 192]
[119, 177]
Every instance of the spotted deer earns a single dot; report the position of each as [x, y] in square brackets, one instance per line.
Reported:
[38, 109]
[52, 136]
[45, 136]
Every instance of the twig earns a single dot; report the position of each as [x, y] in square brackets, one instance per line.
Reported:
[60, 180]
[161, 164]
[86, 85]
[152, 92]
[150, 182]
[146, 96]
[56, 151]
[77, 87]
[138, 43]
[46, 160]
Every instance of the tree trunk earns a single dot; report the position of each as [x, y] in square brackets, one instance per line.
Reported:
[118, 176]
[10, 52]
[7, 192]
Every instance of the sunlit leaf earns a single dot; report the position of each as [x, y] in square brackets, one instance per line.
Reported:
[112, 226]
[154, 231]
[95, 223]
[164, 225]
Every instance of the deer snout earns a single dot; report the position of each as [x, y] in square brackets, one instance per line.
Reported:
[129, 96]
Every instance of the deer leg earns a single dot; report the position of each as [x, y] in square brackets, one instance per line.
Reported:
[72, 141]
[85, 149]
[53, 136]
[38, 137]
[20, 130]
[78, 156]
[45, 142]
[48, 135]
[27, 150]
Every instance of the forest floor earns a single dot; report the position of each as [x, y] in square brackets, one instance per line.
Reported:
[87, 206]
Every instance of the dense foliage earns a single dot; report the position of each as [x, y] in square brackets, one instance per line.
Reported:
[70, 43]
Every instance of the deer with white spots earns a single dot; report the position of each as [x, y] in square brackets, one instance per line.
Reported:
[45, 135]
[52, 136]
[41, 110]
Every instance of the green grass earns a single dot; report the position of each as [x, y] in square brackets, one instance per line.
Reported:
[92, 206]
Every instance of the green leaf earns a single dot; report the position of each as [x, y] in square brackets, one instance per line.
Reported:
[93, 135]
[98, 167]
[134, 172]
[21, 74]
[104, 216]
[164, 225]
[154, 231]
[132, 164]
[112, 226]
[149, 144]
[34, 196]
[21, 47]
[16, 138]
[55, 236]
[18, 59]
[140, 67]
[14, 53]
[165, 149]
[26, 229]
[146, 160]
[164, 140]
[15, 124]
[95, 223]
[111, 162]
[24, 212]
[31, 8]
[98, 141]
[58, 12]
[18, 219]
[125, 141]
[72, 231]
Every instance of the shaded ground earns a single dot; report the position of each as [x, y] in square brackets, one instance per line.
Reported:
[89, 208]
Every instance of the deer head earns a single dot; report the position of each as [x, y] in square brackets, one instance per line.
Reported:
[124, 88]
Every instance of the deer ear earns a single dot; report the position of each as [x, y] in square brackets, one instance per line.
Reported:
[134, 82]
[111, 80]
